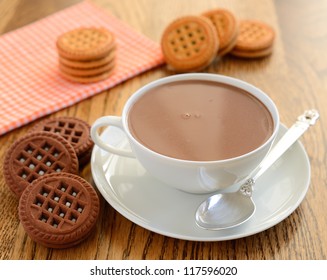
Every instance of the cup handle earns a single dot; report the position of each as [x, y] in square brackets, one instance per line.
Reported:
[107, 121]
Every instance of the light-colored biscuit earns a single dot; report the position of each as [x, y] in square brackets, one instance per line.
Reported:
[86, 72]
[87, 79]
[88, 63]
[228, 48]
[254, 35]
[85, 43]
[252, 54]
[226, 26]
[189, 43]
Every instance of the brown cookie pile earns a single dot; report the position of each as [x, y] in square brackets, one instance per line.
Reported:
[56, 207]
[86, 54]
[191, 43]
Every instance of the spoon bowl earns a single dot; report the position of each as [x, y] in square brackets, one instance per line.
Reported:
[227, 210]
[219, 211]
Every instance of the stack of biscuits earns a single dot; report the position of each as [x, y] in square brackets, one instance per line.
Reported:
[191, 43]
[86, 54]
[57, 207]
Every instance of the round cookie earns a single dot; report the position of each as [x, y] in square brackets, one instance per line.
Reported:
[254, 35]
[226, 27]
[189, 43]
[34, 155]
[59, 210]
[74, 130]
[85, 43]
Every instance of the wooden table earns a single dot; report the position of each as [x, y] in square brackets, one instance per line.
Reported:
[295, 77]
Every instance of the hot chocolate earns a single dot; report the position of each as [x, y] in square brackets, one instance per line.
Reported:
[200, 120]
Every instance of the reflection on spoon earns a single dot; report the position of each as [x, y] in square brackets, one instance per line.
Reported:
[227, 210]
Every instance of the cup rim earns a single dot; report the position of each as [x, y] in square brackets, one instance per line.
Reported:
[204, 77]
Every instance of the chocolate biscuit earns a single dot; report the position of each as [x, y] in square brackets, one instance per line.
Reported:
[59, 210]
[35, 155]
[74, 130]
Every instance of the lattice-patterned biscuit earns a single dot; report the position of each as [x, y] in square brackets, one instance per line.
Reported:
[59, 210]
[254, 35]
[34, 155]
[74, 130]
[85, 43]
[189, 43]
[226, 26]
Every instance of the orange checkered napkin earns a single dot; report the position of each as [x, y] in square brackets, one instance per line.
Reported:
[30, 86]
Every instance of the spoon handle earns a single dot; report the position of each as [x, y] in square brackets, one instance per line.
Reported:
[303, 122]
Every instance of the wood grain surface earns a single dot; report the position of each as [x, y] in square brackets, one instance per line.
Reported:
[295, 77]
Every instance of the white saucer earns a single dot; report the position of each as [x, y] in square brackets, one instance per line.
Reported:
[144, 200]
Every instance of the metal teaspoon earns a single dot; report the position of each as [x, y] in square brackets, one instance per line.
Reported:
[227, 210]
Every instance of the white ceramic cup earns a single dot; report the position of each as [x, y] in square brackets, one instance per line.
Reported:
[186, 175]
